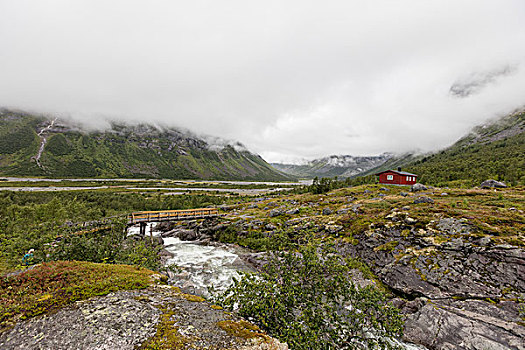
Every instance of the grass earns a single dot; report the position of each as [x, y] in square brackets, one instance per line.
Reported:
[50, 286]
[498, 214]
[241, 329]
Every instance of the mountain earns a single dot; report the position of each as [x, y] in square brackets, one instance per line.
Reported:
[335, 165]
[493, 150]
[32, 145]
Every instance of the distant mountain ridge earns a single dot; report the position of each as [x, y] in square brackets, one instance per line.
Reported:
[493, 150]
[33, 145]
[336, 165]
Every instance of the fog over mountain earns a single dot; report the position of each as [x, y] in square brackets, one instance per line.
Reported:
[290, 80]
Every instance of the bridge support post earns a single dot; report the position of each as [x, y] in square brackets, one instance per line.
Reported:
[143, 228]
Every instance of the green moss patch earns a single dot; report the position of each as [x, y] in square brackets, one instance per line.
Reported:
[167, 335]
[241, 329]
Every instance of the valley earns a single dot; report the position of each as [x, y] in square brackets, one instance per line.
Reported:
[458, 257]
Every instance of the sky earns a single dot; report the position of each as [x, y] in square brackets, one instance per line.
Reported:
[290, 79]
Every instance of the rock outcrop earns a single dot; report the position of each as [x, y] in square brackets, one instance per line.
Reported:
[462, 293]
[492, 184]
[130, 319]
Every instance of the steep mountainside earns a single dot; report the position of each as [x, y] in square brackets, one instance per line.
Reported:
[38, 146]
[341, 166]
[494, 150]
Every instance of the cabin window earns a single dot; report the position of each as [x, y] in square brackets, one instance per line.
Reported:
[390, 177]
[408, 178]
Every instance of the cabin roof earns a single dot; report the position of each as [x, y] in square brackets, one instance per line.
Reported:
[397, 172]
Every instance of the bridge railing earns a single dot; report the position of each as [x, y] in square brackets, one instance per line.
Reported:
[171, 215]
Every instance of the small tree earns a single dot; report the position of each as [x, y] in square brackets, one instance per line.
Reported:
[307, 298]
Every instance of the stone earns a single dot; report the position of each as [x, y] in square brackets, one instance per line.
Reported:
[343, 211]
[187, 235]
[404, 194]
[423, 199]
[293, 211]
[462, 325]
[327, 211]
[270, 227]
[418, 187]
[492, 184]
[275, 212]
[332, 229]
[356, 208]
[452, 226]
[125, 320]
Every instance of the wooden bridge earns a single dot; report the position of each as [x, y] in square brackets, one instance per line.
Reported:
[143, 217]
[171, 215]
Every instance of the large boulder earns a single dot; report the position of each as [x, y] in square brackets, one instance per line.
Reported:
[275, 212]
[418, 187]
[492, 184]
[423, 199]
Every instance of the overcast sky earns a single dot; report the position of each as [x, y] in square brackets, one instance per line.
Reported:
[291, 80]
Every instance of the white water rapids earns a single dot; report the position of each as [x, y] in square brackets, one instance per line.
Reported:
[203, 266]
[195, 267]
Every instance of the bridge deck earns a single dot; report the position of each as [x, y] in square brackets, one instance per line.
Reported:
[171, 215]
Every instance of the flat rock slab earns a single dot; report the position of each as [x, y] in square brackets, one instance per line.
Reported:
[125, 320]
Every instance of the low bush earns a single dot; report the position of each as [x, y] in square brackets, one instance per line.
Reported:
[307, 299]
[52, 285]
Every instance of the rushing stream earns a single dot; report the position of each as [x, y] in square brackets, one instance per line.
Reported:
[196, 267]
[202, 266]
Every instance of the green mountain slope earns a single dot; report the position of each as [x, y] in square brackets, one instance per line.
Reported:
[140, 151]
[492, 151]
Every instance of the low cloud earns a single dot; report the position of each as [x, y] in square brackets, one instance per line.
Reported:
[291, 80]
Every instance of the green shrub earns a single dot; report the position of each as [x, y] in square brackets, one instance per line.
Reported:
[307, 299]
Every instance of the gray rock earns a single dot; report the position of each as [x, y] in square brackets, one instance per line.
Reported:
[275, 212]
[367, 191]
[270, 227]
[463, 325]
[293, 211]
[423, 199]
[484, 241]
[356, 208]
[332, 229]
[492, 184]
[125, 320]
[186, 235]
[327, 211]
[343, 211]
[404, 194]
[418, 187]
[452, 226]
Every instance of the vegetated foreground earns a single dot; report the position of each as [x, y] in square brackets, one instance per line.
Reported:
[452, 260]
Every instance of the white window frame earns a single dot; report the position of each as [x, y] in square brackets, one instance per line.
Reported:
[390, 177]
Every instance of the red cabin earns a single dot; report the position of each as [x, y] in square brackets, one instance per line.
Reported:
[398, 177]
